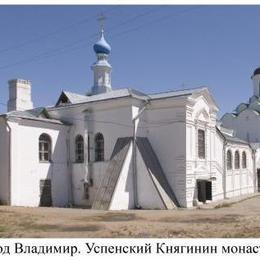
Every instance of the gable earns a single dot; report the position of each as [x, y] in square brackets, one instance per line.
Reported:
[63, 99]
[202, 115]
[206, 96]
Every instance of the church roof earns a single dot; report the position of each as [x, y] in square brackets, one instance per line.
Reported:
[67, 98]
[71, 98]
[176, 93]
[229, 135]
[234, 139]
[118, 93]
[37, 114]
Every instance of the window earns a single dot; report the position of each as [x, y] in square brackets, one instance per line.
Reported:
[79, 149]
[201, 144]
[229, 160]
[237, 160]
[99, 147]
[44, 148]
[86, 190]
[244, 162]
[88, 149]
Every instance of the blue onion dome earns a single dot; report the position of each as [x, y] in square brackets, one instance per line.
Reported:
[102, 46]
[257, 71]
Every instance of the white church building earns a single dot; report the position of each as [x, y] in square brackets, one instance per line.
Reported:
[245, 120]
[122, 149]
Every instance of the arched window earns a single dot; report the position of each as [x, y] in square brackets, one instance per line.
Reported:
[237, 160]
[44, 148]
[229, 160]
[244, 161]
[79, 149]
[99, 147]
[201, 144]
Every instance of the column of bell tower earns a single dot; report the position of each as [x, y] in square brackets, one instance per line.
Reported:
[101, 68]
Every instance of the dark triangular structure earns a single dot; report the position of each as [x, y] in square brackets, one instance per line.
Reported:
[156, 172]
[109, 181]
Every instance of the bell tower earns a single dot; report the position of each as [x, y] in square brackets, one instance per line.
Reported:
[101, 68]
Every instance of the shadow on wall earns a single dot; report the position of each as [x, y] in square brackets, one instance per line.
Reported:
[53, 174]
[129, 187]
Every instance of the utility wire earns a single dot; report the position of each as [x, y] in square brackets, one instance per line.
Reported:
[160, 19]
[74, 46]
[78, 44]
[55, 32]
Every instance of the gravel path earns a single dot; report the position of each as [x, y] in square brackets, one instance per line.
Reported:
[233, 219]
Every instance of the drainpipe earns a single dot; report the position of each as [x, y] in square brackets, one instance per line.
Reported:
[254, 169]
[134, 165]
[70, 185]
[10, 158]
[224, 171]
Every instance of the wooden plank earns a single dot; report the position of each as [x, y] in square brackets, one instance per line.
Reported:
[108, 183]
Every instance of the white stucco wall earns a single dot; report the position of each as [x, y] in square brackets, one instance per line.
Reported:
[113, 120]
[218, 167]
[4, 163]
[200, 115]
[148, 196]
[164, 124]
[171, 126]
[27, 171]
[240, 181]
[123, 196]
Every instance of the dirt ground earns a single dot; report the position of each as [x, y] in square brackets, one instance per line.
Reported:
[236, 219]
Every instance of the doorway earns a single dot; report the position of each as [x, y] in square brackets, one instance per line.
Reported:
[45, 193]
[258, 180]
[204, 188]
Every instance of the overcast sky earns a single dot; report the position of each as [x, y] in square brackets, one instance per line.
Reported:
[154, 49]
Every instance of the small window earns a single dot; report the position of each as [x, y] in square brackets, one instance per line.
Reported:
[237, 160]
[201, 144]
[99, 147]
[44, 148]
[229, 160]
[86, 190]
[88, 148]
[244, 161]
[79, 149]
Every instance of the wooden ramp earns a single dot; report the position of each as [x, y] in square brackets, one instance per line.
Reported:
[108, 183]
[156, 173]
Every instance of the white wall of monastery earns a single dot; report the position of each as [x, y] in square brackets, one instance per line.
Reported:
[4, 163]
[200, 116]
[147, 194]
[27, 171]
[123, 197]
[240, 181]
[164, 124]
[113, 120]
